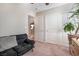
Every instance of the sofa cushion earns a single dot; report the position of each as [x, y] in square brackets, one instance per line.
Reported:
[22, 47]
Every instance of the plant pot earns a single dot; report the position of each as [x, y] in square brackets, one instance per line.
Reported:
[70, 38]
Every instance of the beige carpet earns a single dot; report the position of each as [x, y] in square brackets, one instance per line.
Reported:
[46, 49]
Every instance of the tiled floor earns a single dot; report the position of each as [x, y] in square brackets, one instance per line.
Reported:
[46, 49]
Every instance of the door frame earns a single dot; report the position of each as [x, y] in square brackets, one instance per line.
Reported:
[29, 30]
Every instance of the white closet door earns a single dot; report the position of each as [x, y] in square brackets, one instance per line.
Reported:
[49, 28]
[53, 28]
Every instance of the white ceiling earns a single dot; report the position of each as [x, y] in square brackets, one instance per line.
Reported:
[36, 7]
[41, 6]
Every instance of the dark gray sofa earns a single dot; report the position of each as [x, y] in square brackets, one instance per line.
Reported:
[24, 45]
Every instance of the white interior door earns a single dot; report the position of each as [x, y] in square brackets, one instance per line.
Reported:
[53, 26]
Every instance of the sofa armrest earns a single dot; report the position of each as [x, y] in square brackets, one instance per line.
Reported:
[28, 41]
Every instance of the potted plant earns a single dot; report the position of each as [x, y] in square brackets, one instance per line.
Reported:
[69, 27]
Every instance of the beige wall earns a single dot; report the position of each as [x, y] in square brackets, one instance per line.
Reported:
[14, 18]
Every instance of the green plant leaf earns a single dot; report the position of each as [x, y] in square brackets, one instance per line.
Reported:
[69, 27]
